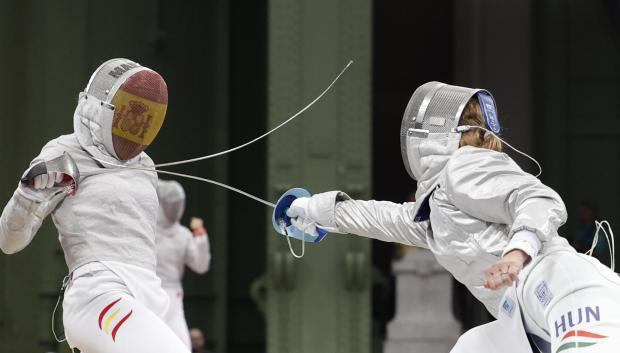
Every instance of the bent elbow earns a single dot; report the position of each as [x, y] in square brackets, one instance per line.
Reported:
[204, 267]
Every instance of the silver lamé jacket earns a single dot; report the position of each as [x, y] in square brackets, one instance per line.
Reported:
[469, 205]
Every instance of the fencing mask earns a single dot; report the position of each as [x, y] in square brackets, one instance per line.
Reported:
[171, 201]
[432, 116]
[137, 98]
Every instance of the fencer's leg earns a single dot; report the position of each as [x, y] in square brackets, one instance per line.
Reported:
[506, 334]
[589, 317]
[175, 317]
[100, 318]
[491, 337]
[116, 322]
[467, 343]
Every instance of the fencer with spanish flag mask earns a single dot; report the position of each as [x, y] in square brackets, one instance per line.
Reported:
[130, 102]
[113, 300]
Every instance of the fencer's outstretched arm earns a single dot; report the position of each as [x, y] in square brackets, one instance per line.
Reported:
[24, 213]
[198, 252]
[490, 186]
[381, 220]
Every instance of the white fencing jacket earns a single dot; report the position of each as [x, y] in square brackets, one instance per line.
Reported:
[469, 206]
[112, 216]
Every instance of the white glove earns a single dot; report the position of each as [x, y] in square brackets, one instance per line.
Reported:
[46, 181]
[318, 209]
[298, 211]
[306, 225]
[299, 208]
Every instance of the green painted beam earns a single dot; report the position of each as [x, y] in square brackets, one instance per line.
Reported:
[322, 302]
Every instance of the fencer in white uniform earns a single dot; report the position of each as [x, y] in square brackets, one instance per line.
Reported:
[490, 224]
[178, 247]
[114, 302]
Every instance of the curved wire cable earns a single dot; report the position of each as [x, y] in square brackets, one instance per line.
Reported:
[205, 180]
[192, 160]
[464, 128]
[610, 242]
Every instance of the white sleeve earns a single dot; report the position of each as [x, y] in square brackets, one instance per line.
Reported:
[381, 220]
[23, 215]
[198, 253]
[526, 241]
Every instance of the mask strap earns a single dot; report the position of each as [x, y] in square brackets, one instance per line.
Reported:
[489, 111]
[464, 128]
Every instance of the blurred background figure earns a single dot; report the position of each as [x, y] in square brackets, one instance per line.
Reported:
[585, 229]
[198, 341]
[178, 247]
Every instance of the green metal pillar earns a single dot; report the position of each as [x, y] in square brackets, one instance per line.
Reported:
[320, 303]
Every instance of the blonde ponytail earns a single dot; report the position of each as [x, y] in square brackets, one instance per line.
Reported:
[472, 115]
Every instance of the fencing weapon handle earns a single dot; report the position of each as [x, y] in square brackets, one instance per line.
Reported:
[282, 222]
[64, 164]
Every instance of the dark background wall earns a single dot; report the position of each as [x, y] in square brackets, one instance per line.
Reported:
[576, 86]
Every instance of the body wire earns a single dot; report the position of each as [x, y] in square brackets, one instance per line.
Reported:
[270, 204]
[463, 128]
[600, 226]
[246, 194]
[192, 160]
[205, 180]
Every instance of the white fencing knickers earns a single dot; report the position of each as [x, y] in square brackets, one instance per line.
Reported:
[175, 315]
[572, 301]
[111, 307]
